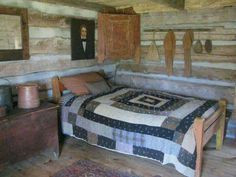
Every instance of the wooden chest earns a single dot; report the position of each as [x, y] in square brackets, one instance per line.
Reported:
[24, 133]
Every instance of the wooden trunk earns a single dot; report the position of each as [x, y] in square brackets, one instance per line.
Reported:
[27, 132]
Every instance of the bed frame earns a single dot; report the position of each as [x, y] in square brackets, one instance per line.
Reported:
[204, 129]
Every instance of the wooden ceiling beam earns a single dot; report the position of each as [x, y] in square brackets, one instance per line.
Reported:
[143, 6]
[204, 4]
[176, 4]
[79, 3]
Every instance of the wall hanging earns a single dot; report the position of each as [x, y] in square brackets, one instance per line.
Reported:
[187, 44]
[153, 53]
[82, 39]
[197, 47]
[169, 46]
[208, 46]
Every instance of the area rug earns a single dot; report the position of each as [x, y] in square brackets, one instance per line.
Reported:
[87, 168]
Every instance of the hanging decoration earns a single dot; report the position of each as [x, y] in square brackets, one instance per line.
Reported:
[187, 43]
[198, 46]
[153, 53]
[169, 46]
[208, 44]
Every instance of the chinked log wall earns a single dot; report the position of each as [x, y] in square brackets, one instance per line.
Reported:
[50, 51]
[222, 23]
[219, 65]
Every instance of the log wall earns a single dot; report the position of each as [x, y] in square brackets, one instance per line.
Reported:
[220, 22]
[50, 48]
[219, 25]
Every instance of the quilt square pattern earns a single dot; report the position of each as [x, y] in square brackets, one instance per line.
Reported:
[146, 123]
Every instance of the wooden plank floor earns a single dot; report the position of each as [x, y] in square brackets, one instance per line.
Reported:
[216, 163]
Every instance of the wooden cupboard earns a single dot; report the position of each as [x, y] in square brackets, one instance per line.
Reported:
[118, 37]
[26, 132]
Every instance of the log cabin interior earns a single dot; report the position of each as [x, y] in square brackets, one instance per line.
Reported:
[128, 88]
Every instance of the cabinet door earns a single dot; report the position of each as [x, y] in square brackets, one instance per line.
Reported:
[118, 36]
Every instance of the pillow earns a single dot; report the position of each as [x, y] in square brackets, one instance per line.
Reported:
[77, 83]
[98, 87]
[65, 92]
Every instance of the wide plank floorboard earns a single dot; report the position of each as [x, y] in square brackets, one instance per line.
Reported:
[216, 163]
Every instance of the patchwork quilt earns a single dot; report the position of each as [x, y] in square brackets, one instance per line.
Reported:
[151, 124]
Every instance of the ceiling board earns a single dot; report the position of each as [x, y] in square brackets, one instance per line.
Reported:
[203, 4]
[144, 6]
[78, 3]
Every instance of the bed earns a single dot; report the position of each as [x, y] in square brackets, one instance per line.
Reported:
[169, 128]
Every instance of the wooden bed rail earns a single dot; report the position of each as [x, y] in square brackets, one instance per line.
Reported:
[204, 129]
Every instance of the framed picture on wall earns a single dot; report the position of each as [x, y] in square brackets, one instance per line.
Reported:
[82, 39]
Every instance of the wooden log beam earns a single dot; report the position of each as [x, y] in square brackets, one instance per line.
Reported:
[79, 3]
[187, 19]
[176, 4]
[52, 8]
[199, 4]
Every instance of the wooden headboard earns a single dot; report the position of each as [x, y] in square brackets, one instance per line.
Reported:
[58, 87]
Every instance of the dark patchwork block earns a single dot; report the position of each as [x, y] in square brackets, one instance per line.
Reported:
[171, 123]
[80, 133]
[187, 159]
[150, 153]
[69, 103]
[72, 118]
[189, 119]
[91, 106]
[178, 137]
[106, 142]
[81, 112]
